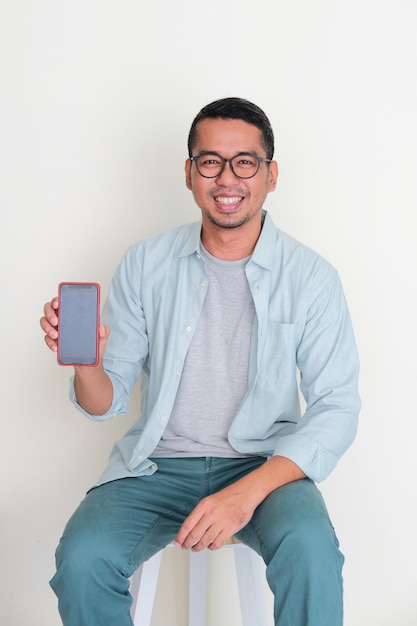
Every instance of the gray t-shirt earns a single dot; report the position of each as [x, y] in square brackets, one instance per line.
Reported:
[215, 375]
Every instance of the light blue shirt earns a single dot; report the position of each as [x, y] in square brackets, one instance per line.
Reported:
[302, 338]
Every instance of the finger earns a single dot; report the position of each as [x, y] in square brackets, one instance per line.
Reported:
[188, 535]
[202, 536]
[211, 540]
[48, 328]
[50, 311]
[51, 343]
[221, 539]
[103, 331]
[49, 323]
[104, 334]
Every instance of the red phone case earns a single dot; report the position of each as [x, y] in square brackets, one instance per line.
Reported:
[97, 285]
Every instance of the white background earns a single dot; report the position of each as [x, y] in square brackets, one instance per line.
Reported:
[96, 100]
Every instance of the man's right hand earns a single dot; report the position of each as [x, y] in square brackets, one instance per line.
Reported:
[49, 324]
[92, 386]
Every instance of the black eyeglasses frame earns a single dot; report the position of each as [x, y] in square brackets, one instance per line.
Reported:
[224, 161]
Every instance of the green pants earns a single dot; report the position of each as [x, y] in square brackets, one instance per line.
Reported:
[122, 523]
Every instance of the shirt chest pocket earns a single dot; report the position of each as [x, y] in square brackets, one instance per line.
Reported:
[278, 351]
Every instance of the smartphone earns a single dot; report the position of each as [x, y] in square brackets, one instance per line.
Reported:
[78, 322]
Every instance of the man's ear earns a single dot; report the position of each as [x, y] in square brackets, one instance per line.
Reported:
[273, 176]
[188, 165]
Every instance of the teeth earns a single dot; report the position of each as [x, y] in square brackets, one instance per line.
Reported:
[224, 200]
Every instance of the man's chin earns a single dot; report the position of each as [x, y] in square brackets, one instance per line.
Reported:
[228, 222]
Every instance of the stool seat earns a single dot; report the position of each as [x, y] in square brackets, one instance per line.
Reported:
[250, 579]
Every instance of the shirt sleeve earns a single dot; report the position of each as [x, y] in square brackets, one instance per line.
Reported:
[127, 348]
[328, 363]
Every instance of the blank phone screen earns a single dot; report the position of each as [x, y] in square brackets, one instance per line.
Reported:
[78, 323]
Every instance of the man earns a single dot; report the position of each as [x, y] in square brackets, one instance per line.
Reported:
[217, 317]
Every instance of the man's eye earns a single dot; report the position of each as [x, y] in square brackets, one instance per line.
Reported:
[210, 162]
[246, 162]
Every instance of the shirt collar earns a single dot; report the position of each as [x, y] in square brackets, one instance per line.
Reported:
[192, 239]
[262, 254]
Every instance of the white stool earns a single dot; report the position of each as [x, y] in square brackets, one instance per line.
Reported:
[250, 578]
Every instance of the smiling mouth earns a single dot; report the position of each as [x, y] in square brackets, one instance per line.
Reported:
[226, 201]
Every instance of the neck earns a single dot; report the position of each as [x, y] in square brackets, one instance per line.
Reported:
[231, 244]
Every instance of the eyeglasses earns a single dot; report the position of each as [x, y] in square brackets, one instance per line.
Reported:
[243, 165]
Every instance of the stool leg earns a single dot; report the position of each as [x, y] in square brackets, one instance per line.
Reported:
[250, 579]
[197, 589]
[146, 586]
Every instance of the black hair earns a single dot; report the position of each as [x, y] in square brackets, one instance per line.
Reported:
[235, 109]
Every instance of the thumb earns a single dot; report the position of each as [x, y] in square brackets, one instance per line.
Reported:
[103, 334]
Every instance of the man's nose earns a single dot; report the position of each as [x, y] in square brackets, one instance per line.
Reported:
[227, 175]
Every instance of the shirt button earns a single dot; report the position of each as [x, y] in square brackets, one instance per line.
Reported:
[163, 418]
[203, 284]
[189, 329]
[154, 467]
[139, 457]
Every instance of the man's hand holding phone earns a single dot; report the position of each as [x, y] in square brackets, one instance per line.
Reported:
[93, 387]
[49, 324]
[72, 327]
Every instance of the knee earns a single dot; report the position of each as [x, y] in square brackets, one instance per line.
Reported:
[88, 582]
[84, 560]
[298, 526]
[309, 554]
[313, 541]
[76, 559]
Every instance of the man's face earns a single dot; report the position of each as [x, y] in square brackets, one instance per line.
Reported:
[228, 201]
